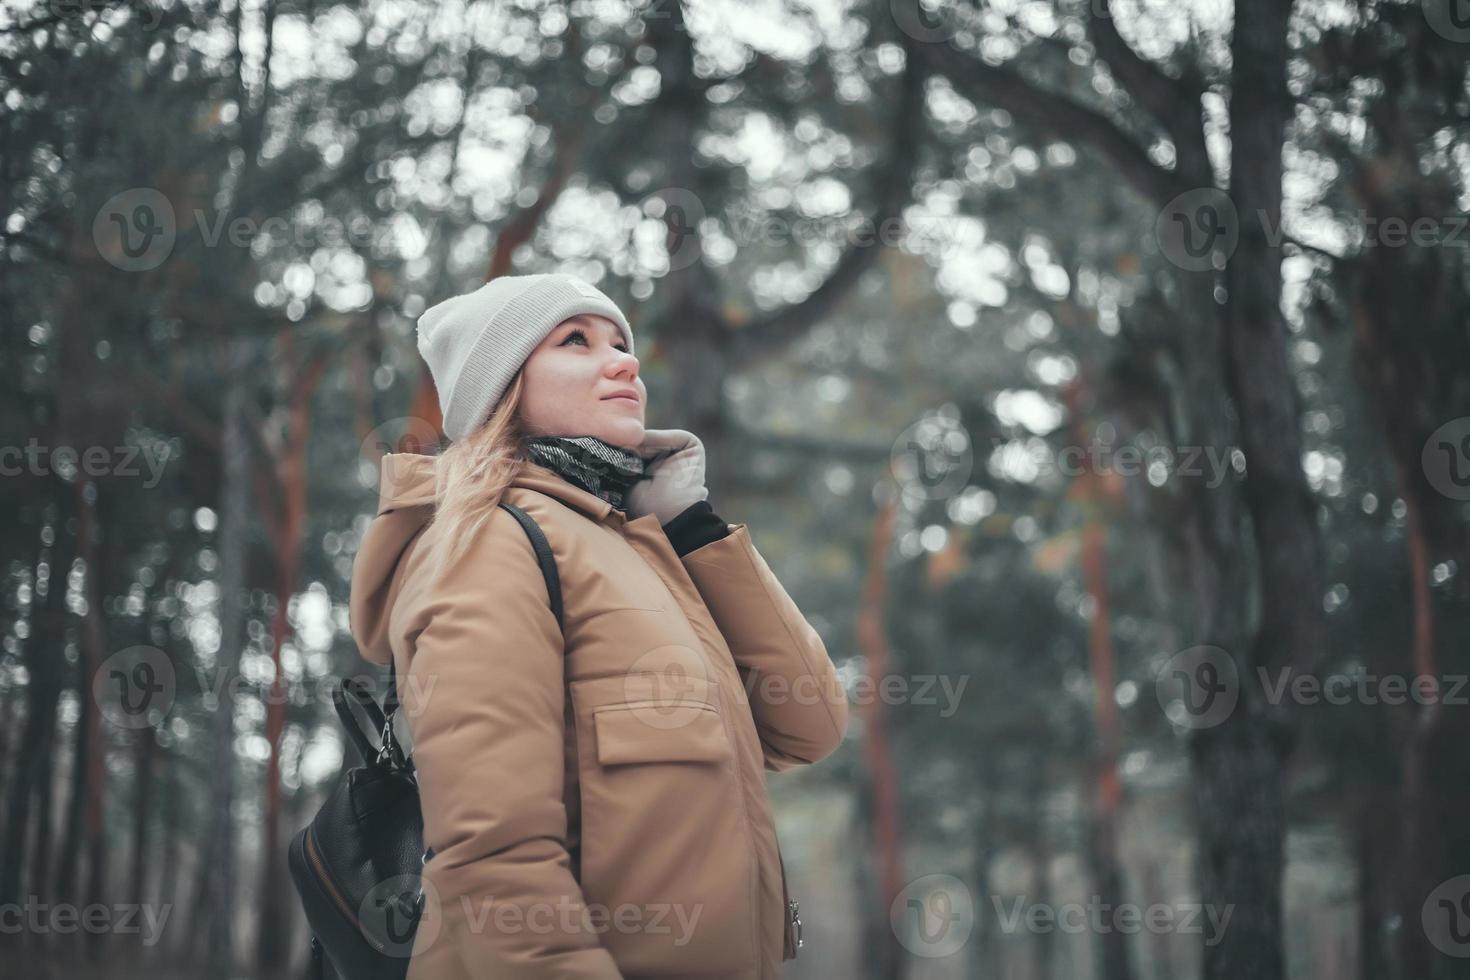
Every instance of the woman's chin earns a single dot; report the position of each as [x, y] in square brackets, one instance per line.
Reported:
[627, 433]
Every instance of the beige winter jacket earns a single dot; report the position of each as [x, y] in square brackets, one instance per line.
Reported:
[595, 798]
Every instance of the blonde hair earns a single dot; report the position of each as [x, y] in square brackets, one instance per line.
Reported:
[471, 476]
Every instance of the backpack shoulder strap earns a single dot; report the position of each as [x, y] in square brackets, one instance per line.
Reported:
[544, 558]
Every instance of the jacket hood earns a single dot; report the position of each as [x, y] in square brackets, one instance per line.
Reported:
[405, 507]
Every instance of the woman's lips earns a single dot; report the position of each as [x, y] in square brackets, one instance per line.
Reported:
[621, 398]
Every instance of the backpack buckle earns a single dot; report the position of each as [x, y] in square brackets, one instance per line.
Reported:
[389, 749]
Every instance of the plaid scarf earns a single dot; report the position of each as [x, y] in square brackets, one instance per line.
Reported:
[599, 467]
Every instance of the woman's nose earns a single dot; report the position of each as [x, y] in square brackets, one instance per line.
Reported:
[625, 363]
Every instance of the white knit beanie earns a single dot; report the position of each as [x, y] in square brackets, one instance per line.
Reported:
[475, 343]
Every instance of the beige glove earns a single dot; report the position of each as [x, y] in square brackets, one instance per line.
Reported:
[675, 466]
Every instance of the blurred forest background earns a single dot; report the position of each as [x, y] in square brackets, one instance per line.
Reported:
[1095, 375]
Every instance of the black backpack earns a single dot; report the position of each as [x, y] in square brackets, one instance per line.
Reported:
[357, 866]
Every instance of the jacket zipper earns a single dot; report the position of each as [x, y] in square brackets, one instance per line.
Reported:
[792, 940]
[326, 879]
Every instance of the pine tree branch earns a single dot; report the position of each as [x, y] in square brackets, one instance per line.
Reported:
[768, 336]
[1174, 102]
[1053, 115]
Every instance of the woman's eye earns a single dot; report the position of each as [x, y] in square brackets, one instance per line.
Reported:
[583, 337]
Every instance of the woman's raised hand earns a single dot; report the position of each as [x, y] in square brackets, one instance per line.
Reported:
[675, 459]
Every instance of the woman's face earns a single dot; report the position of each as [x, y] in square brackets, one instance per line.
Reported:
[574, 378]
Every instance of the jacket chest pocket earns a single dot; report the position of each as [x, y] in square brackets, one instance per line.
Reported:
[666, 859]
[659, 731]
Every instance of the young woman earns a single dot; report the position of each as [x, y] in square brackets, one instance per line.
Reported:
[593, 795]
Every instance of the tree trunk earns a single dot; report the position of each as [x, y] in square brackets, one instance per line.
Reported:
[1373, 828]
[94, 651]
[287, 534]
[82, 876]
[144, 755]
[1242, 827]
[81, 879]
[984, 947]
[49, 638]
[173, 878]
[1044, 944]
[1106, 785]
[1155, 890]
[1413, 883]
[1239, 764]
[217, 865]
[882, 776]
[31, 784]
[270, 949]
[1090, 492]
